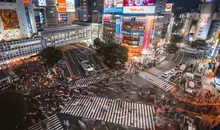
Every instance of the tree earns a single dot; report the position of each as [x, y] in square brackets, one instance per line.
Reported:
[199, 44]
[176, 39]
[99, 45]
[50, 56]
[112, 53]
[171, 48]
[13, 109]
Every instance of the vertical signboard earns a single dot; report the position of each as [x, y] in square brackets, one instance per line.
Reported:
[28, 19]
[147, 32]
[117, 26]
[169, 7]
[203, 26]
[61, 5]
[70, 5]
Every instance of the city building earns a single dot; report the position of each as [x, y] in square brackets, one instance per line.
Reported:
[83, 10]
[134, 24]
[97, 10]
[205, 20]
[40, 13]
[21, 19]
[18, 49]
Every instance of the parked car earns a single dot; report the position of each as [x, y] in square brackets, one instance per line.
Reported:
[172, 78]
[172, 71]
[165, 75]
[176, 68]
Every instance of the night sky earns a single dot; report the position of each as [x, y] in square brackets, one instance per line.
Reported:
[185, 3]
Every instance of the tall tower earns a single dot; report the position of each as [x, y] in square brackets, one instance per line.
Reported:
[205, 20]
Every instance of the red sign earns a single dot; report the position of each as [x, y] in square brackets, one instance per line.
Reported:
[147, 33]
[107, 18]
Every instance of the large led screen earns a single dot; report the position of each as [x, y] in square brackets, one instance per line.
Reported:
[113, 6]
[61, 5]
[9, 19]
[139, 6]
[70, 5]
[139, 2]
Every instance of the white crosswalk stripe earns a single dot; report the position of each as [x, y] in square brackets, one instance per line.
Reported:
[165, 85]
[114, 111]
[51, 123]
[90, 80]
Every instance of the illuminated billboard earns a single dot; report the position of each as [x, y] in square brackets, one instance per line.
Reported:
[42, 3]
[70, 6]
[147, 32]
[61, 5]
[139, 2]
[139, 6]
[113, 6]
[169, 7]
[9, 19]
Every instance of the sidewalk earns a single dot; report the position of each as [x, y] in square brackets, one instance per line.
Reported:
[198, 101]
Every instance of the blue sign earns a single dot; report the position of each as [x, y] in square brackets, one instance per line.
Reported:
[117, 26]
[113, 10]
[28, 19]
[211, 52]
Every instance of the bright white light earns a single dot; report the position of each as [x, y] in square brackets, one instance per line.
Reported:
[190, 39]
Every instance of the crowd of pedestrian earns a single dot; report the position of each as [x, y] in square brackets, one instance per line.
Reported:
[44, 92]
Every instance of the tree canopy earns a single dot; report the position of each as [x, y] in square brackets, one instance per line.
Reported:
[50, 56]
[171, 48]
[176, 39]
[199, 44]
[12, 111]
[113, 54]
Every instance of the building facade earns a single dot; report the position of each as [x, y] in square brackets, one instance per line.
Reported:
[19, 48]
[205, 20]
[21, 16]
[134, 24]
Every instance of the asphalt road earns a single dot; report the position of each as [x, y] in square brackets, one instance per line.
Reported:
[78, 54]
[183, 56]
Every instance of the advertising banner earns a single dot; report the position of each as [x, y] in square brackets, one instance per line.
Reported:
[148, 31]
[117, 26]
[169, 7]
[70, 5]
[139, 2]
[139, 9]
[107, 18]
[62, 17]
[204, 23]
[113, 6]
[9, 19]
[61, 5]
[139, 6]
[42, 3]
[28, 19]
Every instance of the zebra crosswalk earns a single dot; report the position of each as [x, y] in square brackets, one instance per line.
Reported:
[131, 114]
[51, 123]
[165, 85]
[89, 80]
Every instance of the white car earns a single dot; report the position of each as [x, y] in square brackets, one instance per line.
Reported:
[165, 75]
[172, 71]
